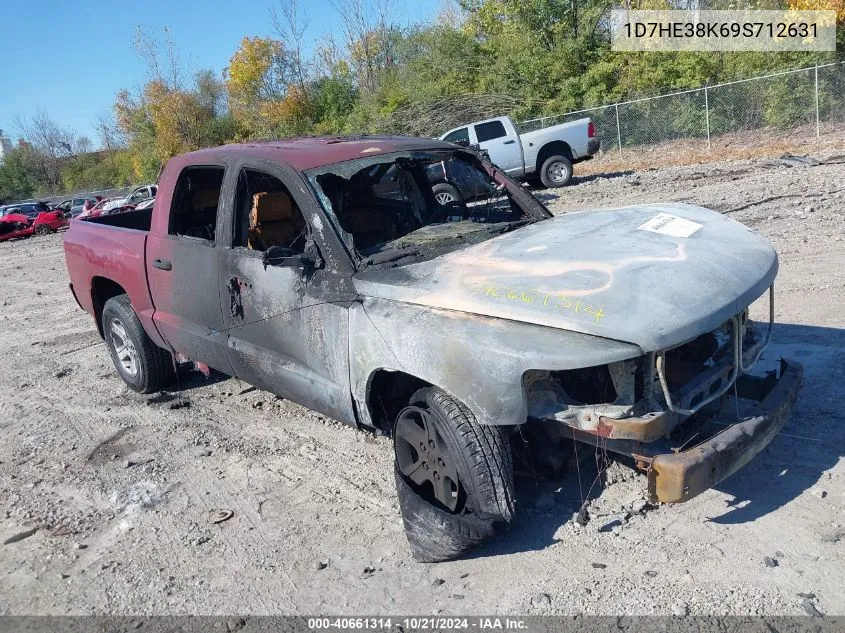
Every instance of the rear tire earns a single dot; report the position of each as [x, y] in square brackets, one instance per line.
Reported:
[477, 456]
[144, 366]
[43, 229]
[556, 171]
[444, 194]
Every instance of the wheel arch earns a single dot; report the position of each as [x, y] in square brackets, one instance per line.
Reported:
[103, 289]
[388, 392]
[550, 149]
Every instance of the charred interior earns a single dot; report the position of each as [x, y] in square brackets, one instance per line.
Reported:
[408, 207]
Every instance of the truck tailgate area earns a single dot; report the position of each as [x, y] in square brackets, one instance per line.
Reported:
[106, 255]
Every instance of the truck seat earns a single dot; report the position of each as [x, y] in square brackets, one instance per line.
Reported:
[274, 221]
[356, 211]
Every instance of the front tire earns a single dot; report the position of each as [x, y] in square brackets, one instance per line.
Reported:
[454, 476]
[556, 171]
[43, 229]
[143, 365]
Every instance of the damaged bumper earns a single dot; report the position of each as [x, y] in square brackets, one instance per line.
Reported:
[679, 476]
[690, 415]
[704, 448]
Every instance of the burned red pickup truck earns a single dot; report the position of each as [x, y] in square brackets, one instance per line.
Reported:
[328, 272]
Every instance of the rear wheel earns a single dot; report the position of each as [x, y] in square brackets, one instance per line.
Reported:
[143, 365]
[43, 229]
[454, 476]
[445, 193]
[556, 171]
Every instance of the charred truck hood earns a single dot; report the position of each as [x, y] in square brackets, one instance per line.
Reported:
[654, 276]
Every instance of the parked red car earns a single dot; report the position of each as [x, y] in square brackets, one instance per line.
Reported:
[98, 210]
[25, 223]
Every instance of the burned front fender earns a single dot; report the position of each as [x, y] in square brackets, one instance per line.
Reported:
[478, 359]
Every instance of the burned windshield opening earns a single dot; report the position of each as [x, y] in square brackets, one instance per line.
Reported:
[404, 207]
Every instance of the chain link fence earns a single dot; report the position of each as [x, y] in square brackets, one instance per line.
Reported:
[117, 192]
[785, 100]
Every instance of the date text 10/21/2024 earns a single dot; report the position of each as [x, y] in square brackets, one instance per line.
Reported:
[418, 623]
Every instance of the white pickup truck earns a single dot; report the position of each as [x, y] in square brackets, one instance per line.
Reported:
[547, 154]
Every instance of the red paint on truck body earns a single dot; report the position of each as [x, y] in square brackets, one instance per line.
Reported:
[115, 254]
[125, 256]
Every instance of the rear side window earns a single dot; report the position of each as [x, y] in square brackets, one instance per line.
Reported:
[266, 215]
[195, 203]
[458, 137]
[489, 131]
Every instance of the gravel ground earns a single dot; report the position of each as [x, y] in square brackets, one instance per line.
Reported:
[106, 496]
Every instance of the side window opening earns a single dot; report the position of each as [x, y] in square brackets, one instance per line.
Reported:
[195, 202]
[266, 214]
[459, 137]
[490, 131]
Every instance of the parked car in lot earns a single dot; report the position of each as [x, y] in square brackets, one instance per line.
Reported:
[144, 192]
[28, 208]
[96, 210]
[29, 219]
[14, 225]
[146, 204]
[547, 154]
[326, 271]
[73, 207]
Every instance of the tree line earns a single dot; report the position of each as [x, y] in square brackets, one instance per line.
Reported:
[477, 58]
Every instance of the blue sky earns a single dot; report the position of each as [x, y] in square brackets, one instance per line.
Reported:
[70, 58]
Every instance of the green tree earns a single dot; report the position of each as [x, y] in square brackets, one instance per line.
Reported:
[16, 175]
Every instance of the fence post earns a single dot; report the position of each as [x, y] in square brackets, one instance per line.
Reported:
[817, 100]
[707, 115]
[618, 129]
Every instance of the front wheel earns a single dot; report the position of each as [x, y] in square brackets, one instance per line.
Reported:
[43, 229]
[143, 365]
[556, 171]
[454, 476]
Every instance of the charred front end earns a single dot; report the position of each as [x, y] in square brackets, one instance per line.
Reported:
[690, 415]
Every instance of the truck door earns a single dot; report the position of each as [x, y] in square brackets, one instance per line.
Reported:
[182, 266]
[505, 151]
[288, 323]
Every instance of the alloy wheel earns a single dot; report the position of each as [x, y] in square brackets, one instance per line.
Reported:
[424, 459]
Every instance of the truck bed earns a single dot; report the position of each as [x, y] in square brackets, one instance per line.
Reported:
[573, 132]
[137, 220]
[111, 247]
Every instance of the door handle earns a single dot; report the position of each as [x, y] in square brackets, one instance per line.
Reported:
[162, 264]
[510, 142]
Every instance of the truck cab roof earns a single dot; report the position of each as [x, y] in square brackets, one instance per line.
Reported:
[309, 153]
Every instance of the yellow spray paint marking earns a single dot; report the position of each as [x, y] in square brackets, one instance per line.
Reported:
[548, 300]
